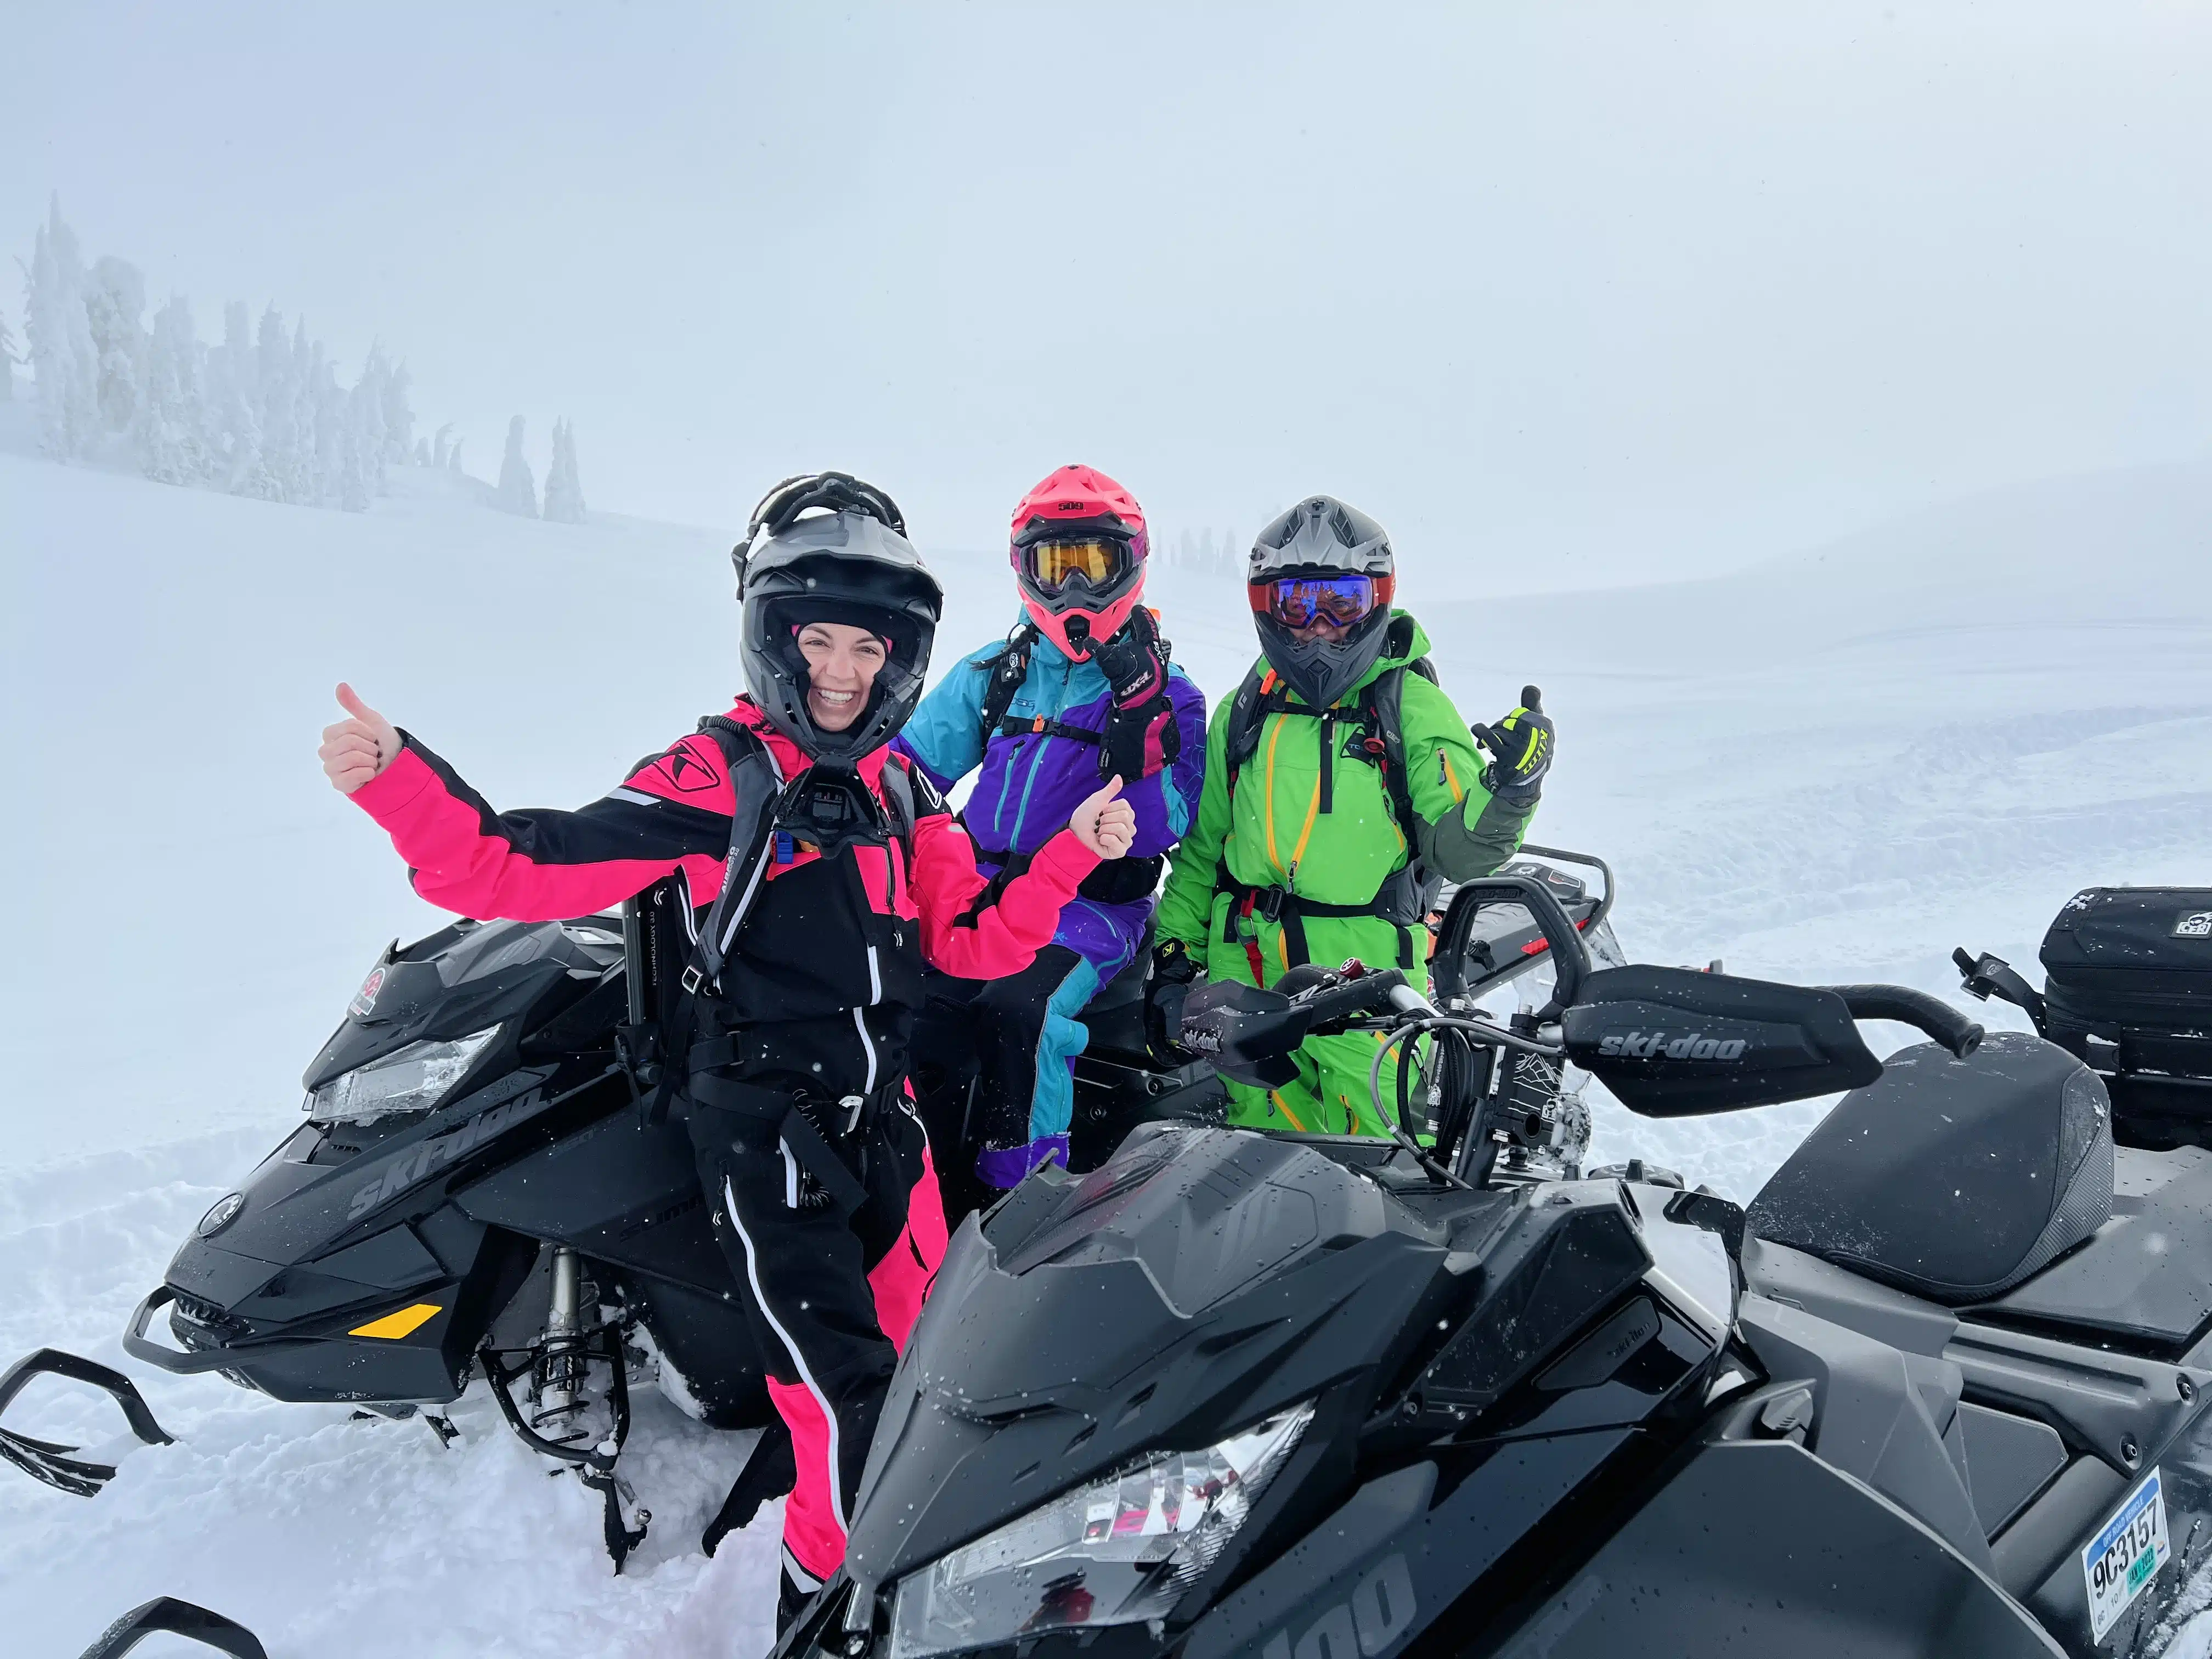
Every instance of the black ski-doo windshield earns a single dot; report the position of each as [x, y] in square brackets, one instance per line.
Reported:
[464, 979]
[1199, 1282]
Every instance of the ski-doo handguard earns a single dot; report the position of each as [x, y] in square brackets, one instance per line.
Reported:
[1569, 956]
[1250, 1034]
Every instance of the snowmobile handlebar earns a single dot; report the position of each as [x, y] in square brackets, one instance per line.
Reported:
[1935, 1018]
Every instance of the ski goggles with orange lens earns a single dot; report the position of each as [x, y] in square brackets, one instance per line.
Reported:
[1098, 561]
[1302, 601]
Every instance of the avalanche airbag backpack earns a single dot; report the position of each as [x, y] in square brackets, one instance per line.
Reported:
[2133, 966]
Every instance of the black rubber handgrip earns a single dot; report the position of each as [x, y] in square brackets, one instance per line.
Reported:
[1938, 1018]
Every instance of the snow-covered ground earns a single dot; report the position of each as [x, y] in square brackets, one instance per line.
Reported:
[1835, 766]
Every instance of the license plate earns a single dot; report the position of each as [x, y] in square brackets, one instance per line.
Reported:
[2125, 1555]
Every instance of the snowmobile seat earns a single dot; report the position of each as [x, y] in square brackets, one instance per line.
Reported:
[1954, 1179]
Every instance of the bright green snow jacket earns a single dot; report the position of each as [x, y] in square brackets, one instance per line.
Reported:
[1274, 834]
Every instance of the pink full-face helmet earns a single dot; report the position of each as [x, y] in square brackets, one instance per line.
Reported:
[1079, 548]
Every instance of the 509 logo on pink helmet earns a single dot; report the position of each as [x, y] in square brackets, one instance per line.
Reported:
[1078, 547]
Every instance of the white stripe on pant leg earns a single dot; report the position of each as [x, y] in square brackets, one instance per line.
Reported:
[797, 1359]
[798, 1574]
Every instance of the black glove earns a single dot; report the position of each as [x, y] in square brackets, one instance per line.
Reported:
[1141, 734]
[1520, 748]
[1165, 991]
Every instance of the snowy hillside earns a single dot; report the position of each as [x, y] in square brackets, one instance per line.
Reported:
[1837, 765]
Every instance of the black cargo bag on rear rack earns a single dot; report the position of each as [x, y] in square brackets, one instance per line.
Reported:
[2132, 967]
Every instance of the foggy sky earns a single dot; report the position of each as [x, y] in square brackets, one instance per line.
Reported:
[1557, 293]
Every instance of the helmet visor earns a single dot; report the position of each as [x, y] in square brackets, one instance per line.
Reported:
[1301, 602]
[1099, 561]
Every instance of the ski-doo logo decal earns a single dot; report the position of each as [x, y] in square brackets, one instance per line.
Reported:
[1380, 1610]
[1658, 1045]
[224, 1212]
[2197, 924]
[411, 1167]
[364, 1000]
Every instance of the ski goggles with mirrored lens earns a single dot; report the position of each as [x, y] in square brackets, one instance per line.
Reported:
[1098, 560]
[1302, 601]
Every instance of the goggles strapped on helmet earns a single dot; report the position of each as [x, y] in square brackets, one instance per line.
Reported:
[1298, 602]
[1098, 559]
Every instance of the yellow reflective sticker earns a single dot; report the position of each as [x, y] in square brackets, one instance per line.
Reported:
[394, 1325]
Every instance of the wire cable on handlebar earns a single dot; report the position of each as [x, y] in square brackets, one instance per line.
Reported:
[1401, 1038]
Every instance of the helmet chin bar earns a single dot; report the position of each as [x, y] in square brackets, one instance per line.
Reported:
[1322, 671]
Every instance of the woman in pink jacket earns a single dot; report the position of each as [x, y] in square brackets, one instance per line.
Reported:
[825, 872]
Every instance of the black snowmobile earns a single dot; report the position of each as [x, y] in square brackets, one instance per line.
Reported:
[478, 1186]
[1939, 1391]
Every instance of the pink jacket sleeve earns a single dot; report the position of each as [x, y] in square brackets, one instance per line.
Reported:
[1005, 937]
[672, 812]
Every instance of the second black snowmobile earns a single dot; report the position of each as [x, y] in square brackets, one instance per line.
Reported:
[478, 1186]
[1940, 1390]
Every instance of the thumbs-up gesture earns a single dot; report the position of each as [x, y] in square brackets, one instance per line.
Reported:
[356, 749]
[1105, 822]
[1521, 748]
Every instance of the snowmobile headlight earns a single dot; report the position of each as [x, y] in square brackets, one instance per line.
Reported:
[411, 1080]
[1119, 1550]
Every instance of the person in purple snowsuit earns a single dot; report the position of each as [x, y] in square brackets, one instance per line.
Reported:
[1081, 691]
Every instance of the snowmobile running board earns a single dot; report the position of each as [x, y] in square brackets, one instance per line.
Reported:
[166, 1613]
[42, 1460]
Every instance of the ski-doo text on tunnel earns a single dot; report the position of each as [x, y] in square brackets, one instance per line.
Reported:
[1297, 1397]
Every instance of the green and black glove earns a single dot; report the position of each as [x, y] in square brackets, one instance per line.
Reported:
[1520, 748]
[1173, 975]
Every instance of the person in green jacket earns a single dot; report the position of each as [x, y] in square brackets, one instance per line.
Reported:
[1342, 788]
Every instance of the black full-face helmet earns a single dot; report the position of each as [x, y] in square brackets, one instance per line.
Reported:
[824, 547]
[1321, 579]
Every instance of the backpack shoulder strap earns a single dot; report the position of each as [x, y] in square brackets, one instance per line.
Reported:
[1383, 708]
[1246, 714]
[756, 786]
[908, 797]
[1007, 670]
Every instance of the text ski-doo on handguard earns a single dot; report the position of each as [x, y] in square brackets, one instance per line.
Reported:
[478, 1186]
[1292, 1397]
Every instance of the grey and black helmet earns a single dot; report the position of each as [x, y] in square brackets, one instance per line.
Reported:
[826, 547]
[1321, 538]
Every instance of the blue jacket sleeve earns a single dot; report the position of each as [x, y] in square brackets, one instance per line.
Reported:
[945, 734]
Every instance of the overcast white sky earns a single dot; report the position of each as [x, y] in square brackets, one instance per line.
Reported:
[1554, 292]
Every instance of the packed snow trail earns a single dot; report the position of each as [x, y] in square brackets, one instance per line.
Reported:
[1835, 766]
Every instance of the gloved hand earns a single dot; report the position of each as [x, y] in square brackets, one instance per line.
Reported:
[1141, 734]
[1520, 748]
[1166, 990]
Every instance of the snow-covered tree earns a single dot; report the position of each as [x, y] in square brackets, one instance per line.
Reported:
[360, 464]
[441, 450]
[454, 458]
[421, 451]
[234, 394]
[564, 488]
[8, 359]
[115, 305]
[517, 488]
[65, 364]
[170, 427]
[397, 417]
